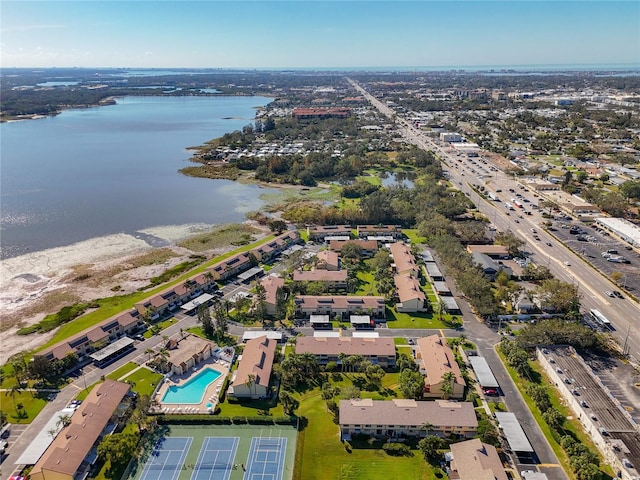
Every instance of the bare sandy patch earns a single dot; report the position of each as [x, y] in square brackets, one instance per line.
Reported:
[35, 285]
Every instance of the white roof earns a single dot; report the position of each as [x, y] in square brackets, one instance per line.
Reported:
[365, 334]
[42, 441]
[326, 334]
[513, 432]
[204, 298]
[483, 372]
[624, 228]
[270, 334]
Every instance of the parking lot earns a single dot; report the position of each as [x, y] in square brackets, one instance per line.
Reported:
[620, 378]
[593, 245]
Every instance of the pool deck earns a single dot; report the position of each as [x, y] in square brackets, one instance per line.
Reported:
[210, 396]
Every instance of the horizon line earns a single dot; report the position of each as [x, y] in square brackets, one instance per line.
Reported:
[555, 66]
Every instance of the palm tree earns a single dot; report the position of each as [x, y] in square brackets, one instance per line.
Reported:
[342, 357]
[250, 382]
[447, 385]
[441, 308]
[427, 427]
[149, 351]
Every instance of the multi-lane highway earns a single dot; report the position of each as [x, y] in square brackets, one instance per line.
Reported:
[564, 264]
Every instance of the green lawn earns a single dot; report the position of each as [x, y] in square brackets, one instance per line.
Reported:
[400, 341]
[250, 408]
[413, 236]
[367, 286]
[322, 456]
[32, 404]
[143, 381]
[122, 371]
[413, 320]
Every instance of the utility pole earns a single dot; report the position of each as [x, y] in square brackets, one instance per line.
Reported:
[625, 348]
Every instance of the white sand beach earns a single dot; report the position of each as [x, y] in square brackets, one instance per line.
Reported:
[28, 279]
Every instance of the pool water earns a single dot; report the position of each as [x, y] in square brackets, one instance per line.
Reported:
[192, 391]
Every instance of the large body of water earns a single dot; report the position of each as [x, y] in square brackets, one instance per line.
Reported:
[94, 172]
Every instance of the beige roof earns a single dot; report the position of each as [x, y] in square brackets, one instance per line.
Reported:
[439, 413]
[320, 276]
[271, 284]
[257, 359]
[231, 262]
[73, 443]
[339, 301]
[329, 229]
[402, 257]
[363, 244]
[408, 288]
[474, 460]
[328, 257]
[187, 348]
[382, 346]
[437, 359]
[488, 249]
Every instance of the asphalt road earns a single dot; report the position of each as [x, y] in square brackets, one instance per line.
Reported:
[563, 263]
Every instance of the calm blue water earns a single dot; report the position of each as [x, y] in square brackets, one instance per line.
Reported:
[193, 390]
[98, 171]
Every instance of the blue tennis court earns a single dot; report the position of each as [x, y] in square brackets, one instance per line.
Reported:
[266, 458]
[215, 460]
[167, 459]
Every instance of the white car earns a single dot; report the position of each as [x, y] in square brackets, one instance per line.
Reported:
[567, 264]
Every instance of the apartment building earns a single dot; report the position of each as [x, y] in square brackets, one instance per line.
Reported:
[404, 417]
[435, 360]
[342, 305]
[380, 350]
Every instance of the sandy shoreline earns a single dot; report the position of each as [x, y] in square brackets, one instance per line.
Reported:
[35, 278]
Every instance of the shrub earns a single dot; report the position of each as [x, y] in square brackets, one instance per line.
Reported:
[397, 449]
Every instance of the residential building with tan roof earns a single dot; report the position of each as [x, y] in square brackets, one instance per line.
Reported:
[379, 231]
[380, 350]
[493, 251]
[368, 247]
[404, 417]
[475, 460]
[173, 297]
[257, 360]
[268, 250]
[343, 305]
[271, 284]
[232, 266]
[325, 232]
[188, 352]
[327, 260]
[73, 451]
[334, 280]
[435, 359]
[93, 338]
[403, 260]
[411, 298]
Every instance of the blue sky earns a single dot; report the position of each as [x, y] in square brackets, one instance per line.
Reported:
[307, 34]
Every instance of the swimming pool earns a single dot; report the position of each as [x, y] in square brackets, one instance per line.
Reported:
[193, 390]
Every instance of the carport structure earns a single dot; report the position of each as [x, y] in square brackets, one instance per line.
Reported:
[516, 438]
[483, 372]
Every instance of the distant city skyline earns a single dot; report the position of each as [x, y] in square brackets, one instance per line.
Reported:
[310, 34]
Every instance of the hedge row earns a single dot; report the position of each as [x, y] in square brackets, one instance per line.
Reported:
[215, 420]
